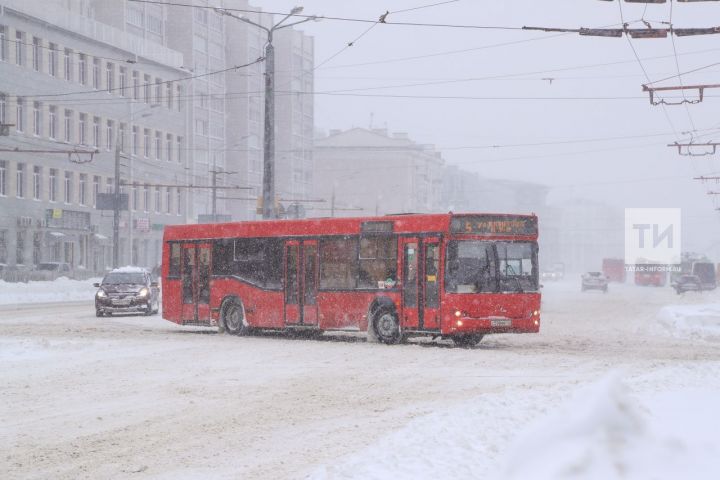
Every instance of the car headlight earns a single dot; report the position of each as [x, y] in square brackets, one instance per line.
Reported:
[101, 293]
[144, 292]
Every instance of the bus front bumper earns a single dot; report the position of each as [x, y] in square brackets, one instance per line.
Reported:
[484, 325]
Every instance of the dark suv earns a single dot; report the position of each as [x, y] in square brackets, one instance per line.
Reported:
[127, 290]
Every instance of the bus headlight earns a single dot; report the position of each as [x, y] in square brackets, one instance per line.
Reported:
[536, 313]
[144, 292]
[458, 313]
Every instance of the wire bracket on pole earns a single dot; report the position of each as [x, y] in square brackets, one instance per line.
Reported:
[661, 101]
[688, 148]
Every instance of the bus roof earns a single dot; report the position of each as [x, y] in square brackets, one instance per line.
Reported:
[405, 223]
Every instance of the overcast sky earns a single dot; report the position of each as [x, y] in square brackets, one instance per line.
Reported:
[634, 172]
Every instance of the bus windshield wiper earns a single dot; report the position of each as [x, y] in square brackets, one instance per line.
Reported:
[514, 276]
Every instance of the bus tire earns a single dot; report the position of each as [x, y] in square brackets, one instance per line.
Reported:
[467, 341]
[233, 317]
[386, 326]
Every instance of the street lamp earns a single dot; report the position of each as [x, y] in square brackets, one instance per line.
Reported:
[268, 191]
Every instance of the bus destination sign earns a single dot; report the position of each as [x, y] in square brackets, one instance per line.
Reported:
[494, 225]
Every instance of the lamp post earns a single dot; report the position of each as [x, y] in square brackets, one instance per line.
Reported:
[268, 190]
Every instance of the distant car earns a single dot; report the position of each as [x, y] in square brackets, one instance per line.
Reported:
[52, 270]
[594, 281]
[127, 290]
[687, 283]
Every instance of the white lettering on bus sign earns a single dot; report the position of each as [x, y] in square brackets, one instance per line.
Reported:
[494, 225]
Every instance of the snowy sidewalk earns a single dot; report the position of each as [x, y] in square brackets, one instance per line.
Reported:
[60, 290]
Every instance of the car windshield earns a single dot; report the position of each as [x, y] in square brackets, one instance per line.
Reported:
[479, 266]
[118, 278]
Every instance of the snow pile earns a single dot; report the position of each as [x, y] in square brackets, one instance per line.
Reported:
[61, 290]
[601, 433]
[691, 321]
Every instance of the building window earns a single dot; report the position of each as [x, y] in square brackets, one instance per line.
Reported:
[158, 91]
[169, 93]
[68, 125]
[121, 137]
[178, 201]
[52, 185]
[82, 69]
[20, 248]
[68, 187]
[37, 119]
[3, 178]
[67, 64]
[37, 177]
[136, 85]
[135, 16]
[82, 186]
[134, 195]
[110, 76]
[20, 115]
[37, 58]
[179, 149]
[146, 143]
[96, 73]
[109, 127]
[168, 203]
[146, 87]
[135, 134]
[52, 122]
[3, 43]
[158, 200]
[96, 190]
[123, 80]
[158, 145]
[155, 24]
[109, 185]
[20, 48]
[82, 127]
[20, 181]
[168, 147]
[52, 59]
[3, 107]
[96, 132]
[179, 98]
[146, 198]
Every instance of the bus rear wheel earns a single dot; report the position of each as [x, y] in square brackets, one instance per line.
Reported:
[467, 341]
[387, 326]
[233, 318]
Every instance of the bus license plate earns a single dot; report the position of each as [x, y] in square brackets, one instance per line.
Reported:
[501, 322]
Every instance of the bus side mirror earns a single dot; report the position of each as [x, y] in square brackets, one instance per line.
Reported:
[154, 284]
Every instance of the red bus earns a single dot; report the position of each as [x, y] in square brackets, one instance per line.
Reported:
[457, 276]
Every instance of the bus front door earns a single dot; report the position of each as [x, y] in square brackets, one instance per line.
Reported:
[301, 273]
[196, 267]
[421, 283]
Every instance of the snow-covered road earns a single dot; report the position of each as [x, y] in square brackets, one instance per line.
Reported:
[86, 397]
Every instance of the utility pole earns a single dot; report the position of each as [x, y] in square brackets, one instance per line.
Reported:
[116, 210]
[268, 191]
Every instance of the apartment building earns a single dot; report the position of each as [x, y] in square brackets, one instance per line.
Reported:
[70, 83]
[369, 172]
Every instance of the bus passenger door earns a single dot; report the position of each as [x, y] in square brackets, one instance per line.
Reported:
[195, 274]
[431, 284]
[301, 259]
[410, 291]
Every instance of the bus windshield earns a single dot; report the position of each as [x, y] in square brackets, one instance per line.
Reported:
[474, 266]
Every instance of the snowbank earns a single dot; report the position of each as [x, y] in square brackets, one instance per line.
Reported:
[691, 321]
[602, 432]
[61, 290]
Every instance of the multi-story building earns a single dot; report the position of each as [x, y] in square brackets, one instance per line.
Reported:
[368, 172]
[71, 83]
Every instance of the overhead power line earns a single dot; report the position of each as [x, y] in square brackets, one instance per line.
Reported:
[384, 21]
[631, 32]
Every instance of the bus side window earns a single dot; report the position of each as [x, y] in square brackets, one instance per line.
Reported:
[174, 260]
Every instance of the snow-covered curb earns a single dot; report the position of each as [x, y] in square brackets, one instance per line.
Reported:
[60, 290]
[691, 321]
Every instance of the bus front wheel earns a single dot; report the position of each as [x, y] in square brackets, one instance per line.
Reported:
[387, 326]
[233, 318]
